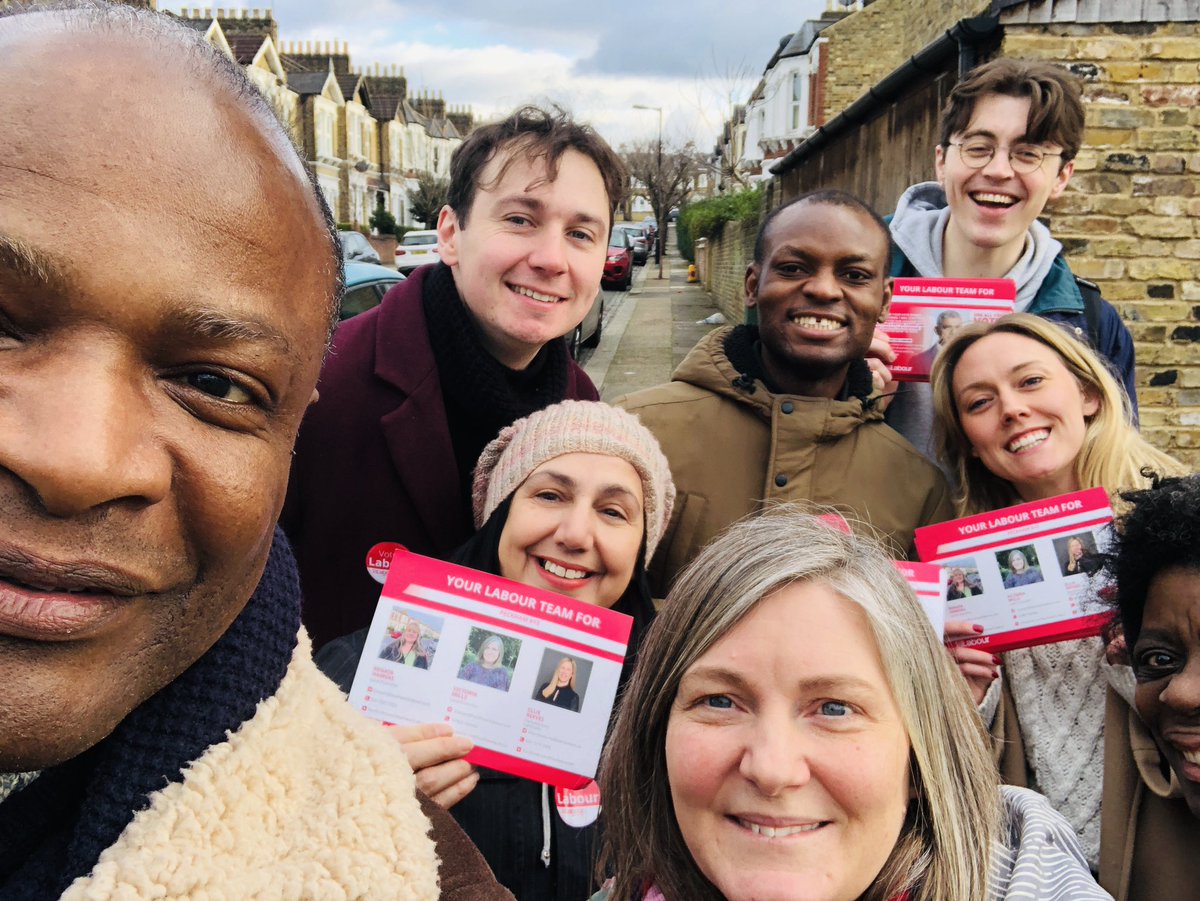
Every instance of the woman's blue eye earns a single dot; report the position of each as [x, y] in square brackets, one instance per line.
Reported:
[720, 702]
[834, 708]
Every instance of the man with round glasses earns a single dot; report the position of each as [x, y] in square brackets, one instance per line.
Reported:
[1010, 132]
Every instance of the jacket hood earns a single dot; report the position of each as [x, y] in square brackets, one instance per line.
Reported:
[919, 225]
[709, 367]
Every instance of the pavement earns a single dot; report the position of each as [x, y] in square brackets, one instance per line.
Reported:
[647, 331]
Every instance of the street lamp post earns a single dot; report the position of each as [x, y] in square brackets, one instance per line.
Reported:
[660, 235]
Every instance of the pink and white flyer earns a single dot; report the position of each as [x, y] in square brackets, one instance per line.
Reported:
[1029, 573]
[926, 312]
[926, 581]
[528, 675]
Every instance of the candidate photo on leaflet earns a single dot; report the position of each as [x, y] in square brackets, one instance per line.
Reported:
[957, 585]
[794, 729]
[1016, 568]
[572, 499]
[163, 731]
[560, 689]
[1151, 824]
[1077, 554]
[485, 665]
[1025, 411]
[407, 649]
[413, 389]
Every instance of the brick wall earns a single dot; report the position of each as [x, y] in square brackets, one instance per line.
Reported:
[1130, 215]
[724, 268]
[869, 44]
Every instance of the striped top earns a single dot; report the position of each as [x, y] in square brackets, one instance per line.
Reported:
[1040, 858]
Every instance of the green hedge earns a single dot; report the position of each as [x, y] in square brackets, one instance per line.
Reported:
[705, 218]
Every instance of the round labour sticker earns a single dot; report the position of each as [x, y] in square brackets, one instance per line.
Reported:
[379, 559]
[578, 807]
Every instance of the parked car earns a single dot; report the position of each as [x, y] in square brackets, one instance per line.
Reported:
[618, 265]
[415, 249]
[366, 284]
[641, 247]
[355, 246]
[587, 333]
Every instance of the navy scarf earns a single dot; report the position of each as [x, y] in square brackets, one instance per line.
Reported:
[54, 830]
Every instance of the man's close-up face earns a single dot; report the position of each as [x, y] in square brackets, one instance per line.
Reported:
[993, 206]
[528, 260]
[164, 299]
[820, 290]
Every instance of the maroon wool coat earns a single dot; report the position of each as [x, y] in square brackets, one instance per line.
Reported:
[375, 462]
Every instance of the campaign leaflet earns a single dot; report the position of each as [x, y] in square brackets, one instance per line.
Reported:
[1027, 574]
[926, 581]
[528, 675]
[925, 312]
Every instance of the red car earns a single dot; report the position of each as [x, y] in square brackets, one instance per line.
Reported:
[618, 265]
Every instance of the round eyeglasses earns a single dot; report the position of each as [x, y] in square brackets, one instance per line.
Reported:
[1024, 158]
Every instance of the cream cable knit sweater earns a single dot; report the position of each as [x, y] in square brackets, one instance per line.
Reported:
[1058, 691]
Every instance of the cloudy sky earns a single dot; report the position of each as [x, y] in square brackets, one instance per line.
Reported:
[691, 57]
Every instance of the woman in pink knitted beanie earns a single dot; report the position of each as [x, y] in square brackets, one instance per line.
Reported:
[573, 499]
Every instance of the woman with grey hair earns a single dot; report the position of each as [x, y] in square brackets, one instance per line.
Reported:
[795, 729]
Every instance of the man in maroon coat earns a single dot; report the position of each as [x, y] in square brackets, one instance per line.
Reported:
[413, 390]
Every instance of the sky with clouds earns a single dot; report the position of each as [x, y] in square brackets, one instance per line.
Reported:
[691, 58]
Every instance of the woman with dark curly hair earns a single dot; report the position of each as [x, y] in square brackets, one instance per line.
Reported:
[1151, 821]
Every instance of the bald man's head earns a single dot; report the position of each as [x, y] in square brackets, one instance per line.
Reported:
[167, 282]
[183, 49]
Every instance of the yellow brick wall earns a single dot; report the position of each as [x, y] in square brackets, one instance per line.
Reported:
[872, 42]
[1130, 217]
[724, 268]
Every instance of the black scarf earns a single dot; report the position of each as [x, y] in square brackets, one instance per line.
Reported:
[742, 347]
[54, 830]
[481, 395]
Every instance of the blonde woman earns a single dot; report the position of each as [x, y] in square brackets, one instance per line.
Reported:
[560, 689]
[794, 728]
[1025, 411]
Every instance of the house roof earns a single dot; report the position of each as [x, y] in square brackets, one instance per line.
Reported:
[1095, 11]
[384, 105]
[349, 83]
[442, 128]
[245, 46]
[198, 24]
[802, 39]
[306, 83]
[411, 116]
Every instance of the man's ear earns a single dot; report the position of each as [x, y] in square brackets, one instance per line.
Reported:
[448, 230]
[887, 300]
[939, 163]
[752, 285]
[1060, 181]
[316, 396]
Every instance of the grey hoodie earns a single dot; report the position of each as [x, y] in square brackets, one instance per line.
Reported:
[918, 226]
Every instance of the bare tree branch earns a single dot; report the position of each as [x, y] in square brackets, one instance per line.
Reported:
[664, 175]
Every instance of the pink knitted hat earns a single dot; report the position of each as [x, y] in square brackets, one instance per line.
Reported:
[570, 427]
